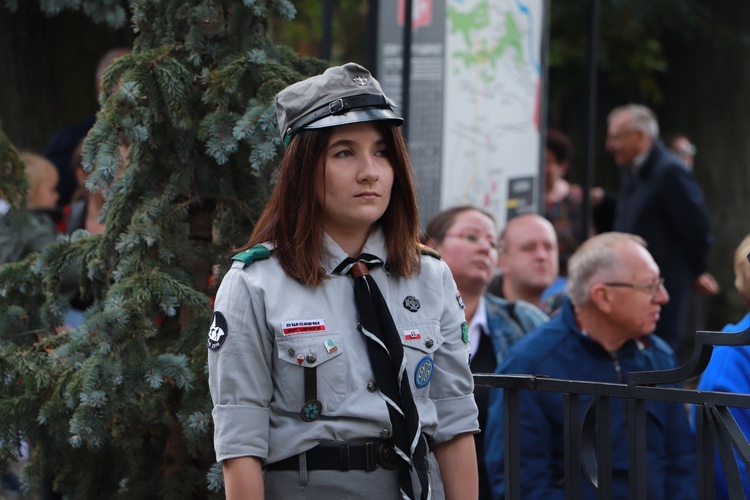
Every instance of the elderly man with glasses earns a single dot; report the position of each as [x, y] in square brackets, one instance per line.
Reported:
[602, 333]
[661, 202]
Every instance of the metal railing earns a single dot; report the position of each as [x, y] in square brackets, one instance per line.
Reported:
[588, 446]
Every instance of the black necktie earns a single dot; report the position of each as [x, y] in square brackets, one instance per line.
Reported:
[389, 366]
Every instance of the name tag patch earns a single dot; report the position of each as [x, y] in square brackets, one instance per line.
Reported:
[303, 326]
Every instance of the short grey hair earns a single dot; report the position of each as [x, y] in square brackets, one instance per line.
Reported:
[596, 257]
[640, 118]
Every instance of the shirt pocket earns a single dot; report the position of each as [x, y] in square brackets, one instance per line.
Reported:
[299, 353]
[420, 341]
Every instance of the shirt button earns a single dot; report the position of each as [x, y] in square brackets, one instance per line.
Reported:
[311, 358]
[385, 434]
[372, 387]
[429, 343]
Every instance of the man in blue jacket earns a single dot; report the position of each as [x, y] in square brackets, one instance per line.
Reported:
[602, 333]
[661, 202]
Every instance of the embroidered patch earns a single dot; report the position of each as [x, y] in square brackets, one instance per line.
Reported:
[465, 332]
[217, 333]
[412, 304]
[423, 373]
[460, 301]
[412, 335]
[303, 326]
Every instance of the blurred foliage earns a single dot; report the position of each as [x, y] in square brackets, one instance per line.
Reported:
[12, 177]
[305, 33]
[631, 46]
[118, 405]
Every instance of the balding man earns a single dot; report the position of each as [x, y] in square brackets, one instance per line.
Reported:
[661, 202]
[527, 260]
[602, 333]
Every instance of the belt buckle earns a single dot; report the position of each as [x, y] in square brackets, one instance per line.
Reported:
[371, 456]
[387, 456]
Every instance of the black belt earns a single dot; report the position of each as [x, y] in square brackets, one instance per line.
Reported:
[368, 456]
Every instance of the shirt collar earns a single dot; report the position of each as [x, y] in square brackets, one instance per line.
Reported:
[641, 159]
[479, 321]
[333, 255]
[478, 326]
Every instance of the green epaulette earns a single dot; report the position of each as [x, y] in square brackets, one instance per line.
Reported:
[425, 250]
[258, 252]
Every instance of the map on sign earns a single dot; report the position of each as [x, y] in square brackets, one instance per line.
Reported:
[491, 118]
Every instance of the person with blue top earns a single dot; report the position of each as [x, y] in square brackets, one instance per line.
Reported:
[468, 242]
[729, 368]
[602, 333]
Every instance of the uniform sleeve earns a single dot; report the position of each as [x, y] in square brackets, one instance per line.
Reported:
[240, 371]
[452, 390]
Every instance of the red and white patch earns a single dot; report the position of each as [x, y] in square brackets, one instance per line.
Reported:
[303, 326]
[412, 335]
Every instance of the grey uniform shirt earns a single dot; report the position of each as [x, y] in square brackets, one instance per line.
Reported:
[276, 328]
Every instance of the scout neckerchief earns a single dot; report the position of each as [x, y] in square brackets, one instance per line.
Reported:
[389, 366]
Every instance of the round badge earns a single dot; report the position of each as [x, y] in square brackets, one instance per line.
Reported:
[311, 410]
[217, 333]
[423, 373]
[411, 303]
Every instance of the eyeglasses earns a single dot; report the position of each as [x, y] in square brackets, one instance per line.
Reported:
[476, 239]
[651, 288]
[621, 135]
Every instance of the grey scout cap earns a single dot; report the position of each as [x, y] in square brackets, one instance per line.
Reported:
[340, 96]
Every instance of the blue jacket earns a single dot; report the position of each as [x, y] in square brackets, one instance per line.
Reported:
[509, 322]
[729, 371]
[560, 350]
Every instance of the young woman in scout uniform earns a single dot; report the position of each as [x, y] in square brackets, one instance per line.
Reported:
[338, 354]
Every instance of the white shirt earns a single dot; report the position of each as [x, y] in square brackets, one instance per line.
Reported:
[478, 326]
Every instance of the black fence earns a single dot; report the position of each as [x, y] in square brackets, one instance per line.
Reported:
[588, 446]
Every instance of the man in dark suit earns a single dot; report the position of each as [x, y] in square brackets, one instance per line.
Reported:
[661, 202]
[64, 141]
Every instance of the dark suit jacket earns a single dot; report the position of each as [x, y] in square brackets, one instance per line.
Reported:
[59, 150]
[664, 205]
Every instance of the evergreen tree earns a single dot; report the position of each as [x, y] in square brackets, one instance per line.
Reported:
[119, 406]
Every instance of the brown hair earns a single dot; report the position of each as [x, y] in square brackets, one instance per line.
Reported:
[560, 145]
[290, 220]
[440, 223]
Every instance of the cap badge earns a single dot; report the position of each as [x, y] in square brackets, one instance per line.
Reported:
[360, 80]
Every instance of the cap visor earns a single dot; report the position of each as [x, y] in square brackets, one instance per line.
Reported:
[356, 116]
